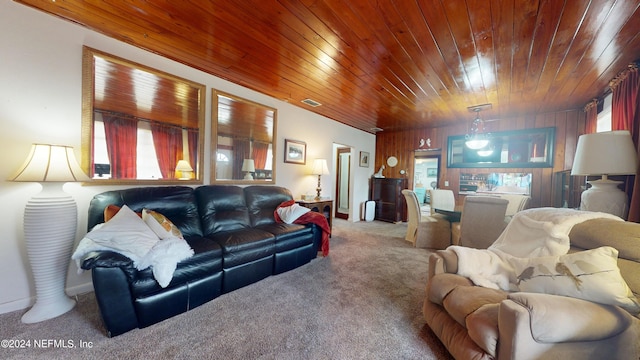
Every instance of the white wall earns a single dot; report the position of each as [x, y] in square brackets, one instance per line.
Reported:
[40, 101]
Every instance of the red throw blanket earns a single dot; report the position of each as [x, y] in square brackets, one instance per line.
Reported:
[310, 217]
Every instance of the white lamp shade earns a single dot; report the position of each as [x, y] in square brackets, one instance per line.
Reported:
[320, 167]
[248, 165]
[605, 153]
[183, 165]
[50, 163]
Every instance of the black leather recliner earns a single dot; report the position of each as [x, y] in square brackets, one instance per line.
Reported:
[234, 236]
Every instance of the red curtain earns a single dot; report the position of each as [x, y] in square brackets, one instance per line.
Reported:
[260, 151]
[241, 151]
[121, 134]
[192, 137]
[625, 115]
[167, 140]
[591, 109]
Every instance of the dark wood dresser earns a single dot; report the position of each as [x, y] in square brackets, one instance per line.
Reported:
[390, 203]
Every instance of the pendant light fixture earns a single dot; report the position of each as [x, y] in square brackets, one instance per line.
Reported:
[478, 137]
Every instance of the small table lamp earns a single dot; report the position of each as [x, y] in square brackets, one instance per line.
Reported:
[319, 168]
[50, 223]
[185, 169]
[605, 153]
[248, 166]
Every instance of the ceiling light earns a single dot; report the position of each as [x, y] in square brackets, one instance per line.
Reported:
[477, 138]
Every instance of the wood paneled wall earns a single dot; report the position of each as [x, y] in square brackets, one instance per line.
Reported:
[403, 145]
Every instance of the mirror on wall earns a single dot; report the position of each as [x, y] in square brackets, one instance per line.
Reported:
[244, 133]
[139, 125]
[531, 148]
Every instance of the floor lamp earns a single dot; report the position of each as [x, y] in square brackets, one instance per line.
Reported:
[50, 223]
[605, 153]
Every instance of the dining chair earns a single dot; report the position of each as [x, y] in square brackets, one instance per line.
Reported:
[481, 223]
[430, 232]
[413, 215]
[517, 202]
[442, 199]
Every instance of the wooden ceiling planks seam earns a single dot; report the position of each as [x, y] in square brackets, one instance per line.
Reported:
[394, 65]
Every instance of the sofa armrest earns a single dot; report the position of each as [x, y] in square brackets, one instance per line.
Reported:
[105, 259]
[531, 323]
[443, 261]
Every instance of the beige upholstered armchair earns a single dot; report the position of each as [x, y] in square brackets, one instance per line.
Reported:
[475, 322]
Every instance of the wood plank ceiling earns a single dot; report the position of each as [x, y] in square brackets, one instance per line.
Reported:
[393, 65]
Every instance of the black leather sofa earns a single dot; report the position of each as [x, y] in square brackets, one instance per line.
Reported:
[235, 239]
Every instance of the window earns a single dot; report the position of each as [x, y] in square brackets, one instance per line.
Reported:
[604, 115]
[145, 169]
[145, 150]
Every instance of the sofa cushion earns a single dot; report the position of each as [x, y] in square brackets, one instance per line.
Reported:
[482, 326]
[160, 225]
[221, 208]
[591, 275]
[206, 261]
[556, 319]
[262, 201]
[125, 233]
[243, 246]
[175, 202]
[464, 300]
[289, 236]
[622, 235]
[441, 285]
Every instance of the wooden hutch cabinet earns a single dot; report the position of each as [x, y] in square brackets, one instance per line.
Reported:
[390, 203]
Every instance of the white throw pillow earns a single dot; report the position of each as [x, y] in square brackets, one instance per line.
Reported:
[160, 225]
[289, 214]
[589, 275]
[126, 234]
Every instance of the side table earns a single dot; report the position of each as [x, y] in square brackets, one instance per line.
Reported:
[324, 206]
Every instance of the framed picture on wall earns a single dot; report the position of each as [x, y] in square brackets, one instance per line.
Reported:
[364, 159]
[295, 152]
[432, 172]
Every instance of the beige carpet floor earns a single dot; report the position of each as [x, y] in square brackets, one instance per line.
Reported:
[363, 301]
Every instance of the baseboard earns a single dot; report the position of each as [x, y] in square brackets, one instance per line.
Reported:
[23, 304]
[80, 289]
[16, 305]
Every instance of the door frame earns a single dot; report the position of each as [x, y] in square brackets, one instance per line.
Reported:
[339, 151]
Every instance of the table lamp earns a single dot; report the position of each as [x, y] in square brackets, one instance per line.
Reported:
[605, 153]
[50, 223]
[185, 169]
[319, 168]
[248, 166]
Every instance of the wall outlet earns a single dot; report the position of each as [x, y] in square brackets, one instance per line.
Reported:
[446, 183]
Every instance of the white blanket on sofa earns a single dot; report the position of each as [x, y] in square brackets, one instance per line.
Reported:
[531, 233]
[129, 235]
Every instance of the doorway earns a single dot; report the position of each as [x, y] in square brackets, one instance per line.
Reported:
[426, 170]
[343, 162]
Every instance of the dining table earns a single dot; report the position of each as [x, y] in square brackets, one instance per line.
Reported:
[451, 215]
